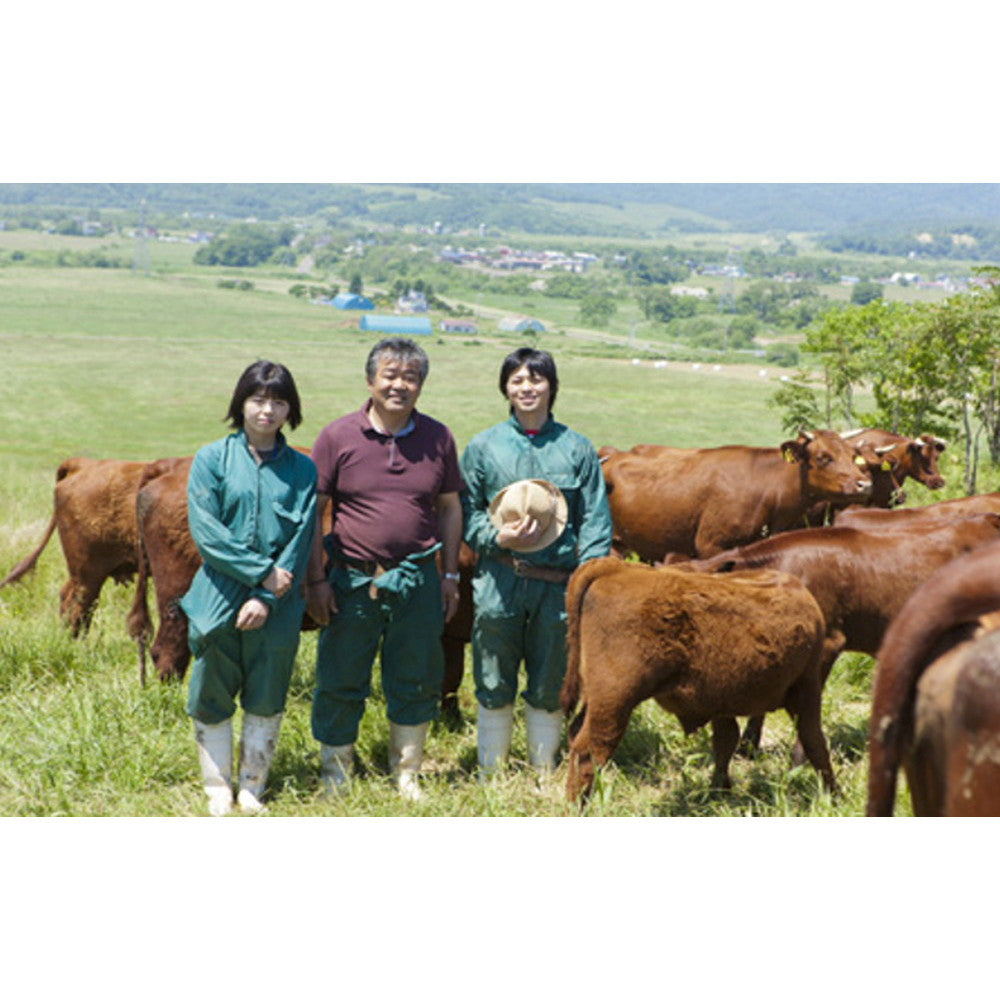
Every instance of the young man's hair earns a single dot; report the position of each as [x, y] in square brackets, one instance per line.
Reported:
[269, 379]
[538, 363]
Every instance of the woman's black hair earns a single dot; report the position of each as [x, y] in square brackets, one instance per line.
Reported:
[538, 362]
[271, 379]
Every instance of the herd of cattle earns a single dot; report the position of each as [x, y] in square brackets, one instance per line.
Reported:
[758, 567]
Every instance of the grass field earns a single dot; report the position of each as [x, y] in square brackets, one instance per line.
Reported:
[110, 363]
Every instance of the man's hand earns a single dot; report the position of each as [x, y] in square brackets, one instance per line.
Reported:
[516, 534]
[252, 615]
[449, 598]
[320, 602]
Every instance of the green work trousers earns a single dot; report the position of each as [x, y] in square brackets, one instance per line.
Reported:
[517, 619]
[256, 665]
[412, 661]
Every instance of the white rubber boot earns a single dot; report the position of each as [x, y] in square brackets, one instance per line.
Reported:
[406, 754]
[336, 766]
[544, 734]
[260, 737]
[215, 758]
[493, 729]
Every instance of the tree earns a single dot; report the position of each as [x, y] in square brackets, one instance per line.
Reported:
[741, 331]
[660, 304]
[864, 292]
[799, 401]
[962, 333]
[596, 310]
[648, 267]
[357, 285]
[244, 245]
[838, 341]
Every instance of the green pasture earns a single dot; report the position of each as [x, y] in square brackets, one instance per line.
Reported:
[111, 363]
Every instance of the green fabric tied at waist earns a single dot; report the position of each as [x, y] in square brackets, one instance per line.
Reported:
[404, 578]
[395, 586]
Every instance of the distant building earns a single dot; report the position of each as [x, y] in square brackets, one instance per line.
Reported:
[412, 302]
[404, 325]
[457, 326]
[349, 300]
[520, 324]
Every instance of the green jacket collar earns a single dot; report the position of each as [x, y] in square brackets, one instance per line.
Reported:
[546, 428]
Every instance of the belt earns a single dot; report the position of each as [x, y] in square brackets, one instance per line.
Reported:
[521, 567]
[370, 567]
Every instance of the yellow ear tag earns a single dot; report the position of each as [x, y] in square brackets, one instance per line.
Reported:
[859, 461]
[886, 466]
[787, 455]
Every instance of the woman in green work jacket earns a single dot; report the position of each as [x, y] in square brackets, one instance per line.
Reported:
[251, 513]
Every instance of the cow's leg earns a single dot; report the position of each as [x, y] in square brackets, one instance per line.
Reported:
[725, 736]
[76, 603]
[597, 736]
[454, 668]
[804, 705]
[579, 763]
[833, 646]
[749, 742]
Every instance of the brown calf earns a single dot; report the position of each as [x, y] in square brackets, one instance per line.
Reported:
[706, 648]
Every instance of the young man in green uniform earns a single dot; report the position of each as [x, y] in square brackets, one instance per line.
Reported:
[520, 582]
[390, 477]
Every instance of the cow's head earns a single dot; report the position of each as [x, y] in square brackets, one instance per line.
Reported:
[831, 468]
[924, 453]
[885, 466]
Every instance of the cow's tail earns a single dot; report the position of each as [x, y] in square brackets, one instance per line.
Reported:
[915, 637]
[576, 590]
[137, 621]
[27, 564]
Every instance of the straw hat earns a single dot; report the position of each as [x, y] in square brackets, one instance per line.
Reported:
[537, 497]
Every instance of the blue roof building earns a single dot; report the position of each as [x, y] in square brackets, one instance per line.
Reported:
[405, 325]
[349, 300]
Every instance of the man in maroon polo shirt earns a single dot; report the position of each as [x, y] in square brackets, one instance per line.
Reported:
[390, 474]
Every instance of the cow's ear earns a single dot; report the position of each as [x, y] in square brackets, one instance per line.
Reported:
[793, 451]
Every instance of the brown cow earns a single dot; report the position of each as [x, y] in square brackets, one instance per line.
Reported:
[936, 696]
[167, 554]
[706, 648]
[908, 458]
[700, 501]
[94, 513]
[870, 519]
[860, 579]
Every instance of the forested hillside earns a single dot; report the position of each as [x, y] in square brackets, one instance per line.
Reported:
[878, 217]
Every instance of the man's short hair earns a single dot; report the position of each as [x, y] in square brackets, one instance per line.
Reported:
[400, 349]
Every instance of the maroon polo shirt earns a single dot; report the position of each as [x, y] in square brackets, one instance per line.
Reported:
[384, 488]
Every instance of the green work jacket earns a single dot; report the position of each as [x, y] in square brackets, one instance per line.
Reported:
[503, 454]
[245, 519]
